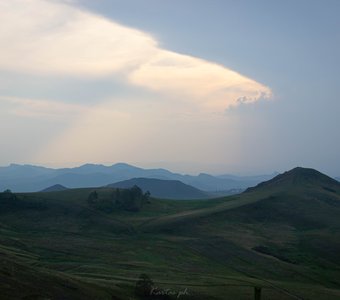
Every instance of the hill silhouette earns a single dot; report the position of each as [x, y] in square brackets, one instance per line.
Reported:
[167, 189]
[54, 188]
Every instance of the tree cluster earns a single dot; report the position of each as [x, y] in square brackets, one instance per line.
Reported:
[132, 199]
[7, 195]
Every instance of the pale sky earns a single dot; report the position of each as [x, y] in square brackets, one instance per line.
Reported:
[194, 86]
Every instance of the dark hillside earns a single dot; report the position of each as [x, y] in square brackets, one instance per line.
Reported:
[299, 177]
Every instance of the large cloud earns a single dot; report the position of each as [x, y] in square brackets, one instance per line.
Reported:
[44, 37]
[172, 118]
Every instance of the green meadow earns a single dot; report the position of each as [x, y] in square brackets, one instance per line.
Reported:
[282, 236]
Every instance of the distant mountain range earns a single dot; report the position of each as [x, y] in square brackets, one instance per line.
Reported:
[166, 189]
[29, 178]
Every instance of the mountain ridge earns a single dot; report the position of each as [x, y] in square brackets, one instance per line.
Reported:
[29, 178]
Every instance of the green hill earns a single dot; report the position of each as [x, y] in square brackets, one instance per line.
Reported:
[299, 177]
[282, 236]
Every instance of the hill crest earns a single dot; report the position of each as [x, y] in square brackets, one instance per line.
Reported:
[297, 177]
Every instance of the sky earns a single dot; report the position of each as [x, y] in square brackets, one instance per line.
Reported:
[217, 86]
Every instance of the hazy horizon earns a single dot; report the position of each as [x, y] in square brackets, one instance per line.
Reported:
[180, 169]
[201, 86]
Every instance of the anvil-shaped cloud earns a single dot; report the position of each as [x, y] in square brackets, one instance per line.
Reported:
[55, 38]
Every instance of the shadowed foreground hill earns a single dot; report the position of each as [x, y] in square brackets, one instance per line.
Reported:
[167, 189]
[282, 235]
[20, 280]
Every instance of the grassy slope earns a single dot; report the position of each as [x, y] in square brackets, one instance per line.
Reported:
[216, 248]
